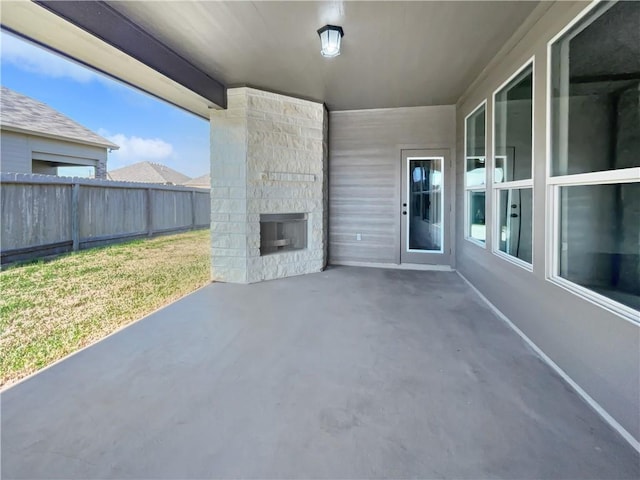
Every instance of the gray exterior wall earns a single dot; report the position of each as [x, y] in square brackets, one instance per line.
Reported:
[23, 153]
[598, 349]
[364, 175]
[15, 153]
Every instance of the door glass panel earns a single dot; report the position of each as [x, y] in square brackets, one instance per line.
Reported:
[424, 205]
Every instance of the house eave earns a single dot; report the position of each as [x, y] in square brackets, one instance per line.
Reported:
[106, 145]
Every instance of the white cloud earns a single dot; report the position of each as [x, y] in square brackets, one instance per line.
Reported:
[136, 149]
[34, 59]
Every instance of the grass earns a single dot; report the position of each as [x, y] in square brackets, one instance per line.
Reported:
[50, 309]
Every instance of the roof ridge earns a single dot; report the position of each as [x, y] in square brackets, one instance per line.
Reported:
[147, 171]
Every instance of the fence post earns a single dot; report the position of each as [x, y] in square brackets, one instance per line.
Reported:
[75, 216]
[149, 214]
[193, 209]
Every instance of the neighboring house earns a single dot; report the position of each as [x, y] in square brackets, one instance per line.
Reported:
[38, 139]
[148, 172]
[203, 181]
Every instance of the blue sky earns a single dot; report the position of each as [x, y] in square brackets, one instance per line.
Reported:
[145, 128]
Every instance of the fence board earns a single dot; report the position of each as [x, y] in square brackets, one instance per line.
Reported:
[170, 209]
[203, 208]
[34, 215]
[43, 214]
[111, 211]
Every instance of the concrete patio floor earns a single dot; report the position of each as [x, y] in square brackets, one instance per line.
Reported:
[349, 373]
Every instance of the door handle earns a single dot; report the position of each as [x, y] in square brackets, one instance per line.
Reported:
[404, 213]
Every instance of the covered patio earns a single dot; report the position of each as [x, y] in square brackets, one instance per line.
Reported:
[347, 373]
[498, 140]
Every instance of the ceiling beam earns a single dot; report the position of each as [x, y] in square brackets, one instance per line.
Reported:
[102, 21]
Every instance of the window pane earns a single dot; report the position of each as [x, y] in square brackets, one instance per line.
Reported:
[425, 204]
[475, 148]
[595, 78]
[600, 239]
[513, 129]
[476, 205]
[476, 133]
[515, 215]
[476, 173]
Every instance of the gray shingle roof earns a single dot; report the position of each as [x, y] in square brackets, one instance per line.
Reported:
[203, 181]
[25, 114]
[148, 172]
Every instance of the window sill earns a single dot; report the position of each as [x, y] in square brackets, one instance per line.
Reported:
[476, 242]
[627, 313]
[514, 260]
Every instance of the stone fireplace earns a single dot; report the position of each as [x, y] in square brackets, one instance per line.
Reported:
[269, 160]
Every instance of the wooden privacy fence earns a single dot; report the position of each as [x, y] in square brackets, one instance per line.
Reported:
[44, 215]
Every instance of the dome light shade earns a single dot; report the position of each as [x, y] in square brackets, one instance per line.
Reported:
[330, 38]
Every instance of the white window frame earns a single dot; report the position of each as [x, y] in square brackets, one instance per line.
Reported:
[517, 184]
[555, 183]
[476, 188]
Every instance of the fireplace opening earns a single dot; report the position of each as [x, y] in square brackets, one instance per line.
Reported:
[282, 232]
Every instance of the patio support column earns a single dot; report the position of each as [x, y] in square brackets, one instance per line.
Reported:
[229, 191]
[269, 155]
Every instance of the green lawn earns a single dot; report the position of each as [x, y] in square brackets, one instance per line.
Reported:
[50, 309]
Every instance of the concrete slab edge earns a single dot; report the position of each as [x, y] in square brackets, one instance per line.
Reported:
[585, 396]
[123, 327]
[395, 266]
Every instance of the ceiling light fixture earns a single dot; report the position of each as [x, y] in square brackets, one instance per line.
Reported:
[330, 38]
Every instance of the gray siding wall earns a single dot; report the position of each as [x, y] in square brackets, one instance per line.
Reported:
[598, 349]
[17, 150]
[15, 154]
[364, 175]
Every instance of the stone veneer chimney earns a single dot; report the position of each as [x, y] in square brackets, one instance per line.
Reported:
[269, 155]
[101, 169]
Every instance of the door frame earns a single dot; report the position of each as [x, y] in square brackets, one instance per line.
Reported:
[446, 258]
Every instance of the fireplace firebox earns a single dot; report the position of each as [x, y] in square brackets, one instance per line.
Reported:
[282, 232]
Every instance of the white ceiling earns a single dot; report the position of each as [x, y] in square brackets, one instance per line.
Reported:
[394, 53]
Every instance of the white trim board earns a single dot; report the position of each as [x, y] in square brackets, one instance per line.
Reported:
[396, 266]
[585, 396]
